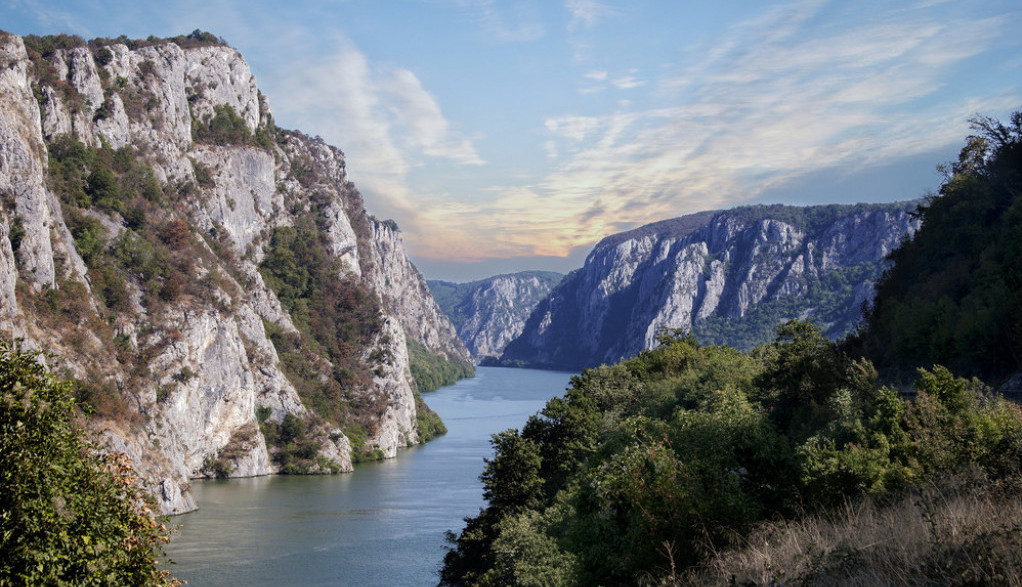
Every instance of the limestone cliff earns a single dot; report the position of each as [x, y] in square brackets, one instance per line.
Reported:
[489, 313]
[730, 277]
[405, 290]
[214, 282]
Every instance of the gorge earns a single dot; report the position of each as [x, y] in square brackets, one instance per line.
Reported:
[213, 282]
[231, 309]
[489, 313]
[729, 277]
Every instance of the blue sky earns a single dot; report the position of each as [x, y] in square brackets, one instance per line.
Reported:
[506, 135]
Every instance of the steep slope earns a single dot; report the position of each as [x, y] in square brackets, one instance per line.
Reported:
[213, 281]
[491, 312]
[730, 277]
[954, 294]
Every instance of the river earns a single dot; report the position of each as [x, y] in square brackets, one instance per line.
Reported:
[383, 525]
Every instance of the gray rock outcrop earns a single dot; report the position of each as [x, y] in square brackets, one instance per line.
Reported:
[701, 273]
[489, 313]
[175, 328]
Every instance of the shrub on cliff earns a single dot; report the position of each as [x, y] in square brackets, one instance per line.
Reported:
[68, 514]
[432, 371]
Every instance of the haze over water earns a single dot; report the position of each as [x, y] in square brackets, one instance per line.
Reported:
[384, 524]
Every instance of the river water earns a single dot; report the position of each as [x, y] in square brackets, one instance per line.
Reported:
[382, 525]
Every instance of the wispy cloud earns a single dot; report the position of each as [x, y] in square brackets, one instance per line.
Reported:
[48, 17]
[586, 13]
[504, 22]
[772, 101]
[627, 82]
[428, 130]
[383, 117]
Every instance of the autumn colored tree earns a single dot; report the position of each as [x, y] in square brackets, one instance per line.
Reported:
[69, 514]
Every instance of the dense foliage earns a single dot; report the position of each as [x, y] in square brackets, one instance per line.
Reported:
[954, 293]
[69, 515]
[653, 468]
[644, 466]
[432, 371]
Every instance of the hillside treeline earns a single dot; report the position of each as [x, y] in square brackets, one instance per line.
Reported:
[953, 295]
[695, 464]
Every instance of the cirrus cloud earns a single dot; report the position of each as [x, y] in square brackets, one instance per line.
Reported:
[777, 98]
[387, 122]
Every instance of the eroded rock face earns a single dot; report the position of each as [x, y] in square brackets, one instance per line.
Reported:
[490, 313]
[404, 290]
[195, 372]
[766, 264]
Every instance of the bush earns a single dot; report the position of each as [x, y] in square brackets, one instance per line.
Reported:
[89, 236]
[428, 423]
[68, 514]
[225, 127]
[291, 447]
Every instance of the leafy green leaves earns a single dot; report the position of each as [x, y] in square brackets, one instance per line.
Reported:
[644, 465]
[954, 294]
[68, 514]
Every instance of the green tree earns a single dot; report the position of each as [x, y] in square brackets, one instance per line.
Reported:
[69, 515]
[953, 295]
[511, 481]
[803, 370]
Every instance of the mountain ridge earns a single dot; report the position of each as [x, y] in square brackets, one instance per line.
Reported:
[149, 225]
[702, 271]
[490, 312]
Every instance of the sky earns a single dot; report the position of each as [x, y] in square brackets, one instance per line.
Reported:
[506, 135]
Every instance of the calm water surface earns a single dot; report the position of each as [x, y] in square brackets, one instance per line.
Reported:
[383, 524]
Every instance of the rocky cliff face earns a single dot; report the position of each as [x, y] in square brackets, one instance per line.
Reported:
[489, 313]
[405, 290]
[179, 254]
[730, 277]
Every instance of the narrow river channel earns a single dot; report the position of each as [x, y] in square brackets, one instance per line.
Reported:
[382, 525]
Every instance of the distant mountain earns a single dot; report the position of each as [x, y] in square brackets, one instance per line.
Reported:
[490, 312]
[729, 277]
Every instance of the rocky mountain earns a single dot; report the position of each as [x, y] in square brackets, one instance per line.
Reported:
[491, 312]
[729, 277]
[212, 282]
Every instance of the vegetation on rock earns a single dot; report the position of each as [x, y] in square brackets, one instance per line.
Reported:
[432, 371]
[337, 318]
[789, 463]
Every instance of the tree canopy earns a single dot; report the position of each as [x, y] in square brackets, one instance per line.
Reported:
[69, 513]
[953, 295]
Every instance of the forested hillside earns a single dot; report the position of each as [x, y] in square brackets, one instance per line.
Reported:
[789, 463]
[954, 293]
